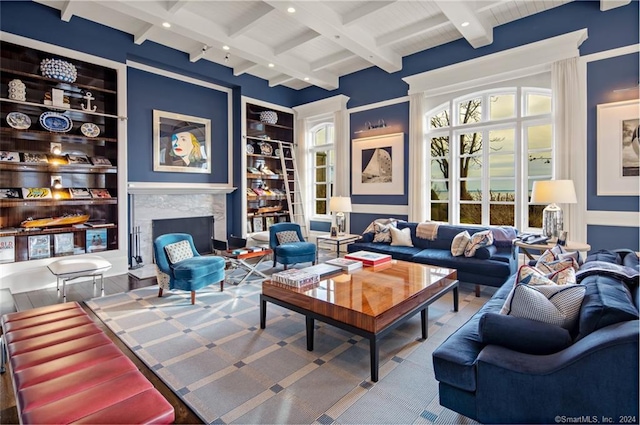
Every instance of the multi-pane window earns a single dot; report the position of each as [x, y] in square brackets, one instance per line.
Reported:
[322, 151]
[486, 150]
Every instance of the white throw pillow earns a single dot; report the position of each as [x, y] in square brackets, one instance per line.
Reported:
[287, 236]
[400, 237]
[178, 251]
[459, 243]
[478, 240]
[554, 304]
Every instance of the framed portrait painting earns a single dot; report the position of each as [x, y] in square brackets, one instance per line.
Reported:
[378, 165]
[181, 143]
[619, 148]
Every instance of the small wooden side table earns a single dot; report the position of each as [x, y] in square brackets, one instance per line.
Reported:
[569, 246]
[337, 241]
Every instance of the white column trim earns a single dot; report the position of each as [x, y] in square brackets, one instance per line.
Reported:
[613, 218]
[381, 209]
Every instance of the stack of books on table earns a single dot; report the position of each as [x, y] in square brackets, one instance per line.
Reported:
[345, 264]
[369, 258]
[296, 278]
[323, 270]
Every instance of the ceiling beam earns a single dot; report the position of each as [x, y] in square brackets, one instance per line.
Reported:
[299, 40]
[331, 60]
[249, 20]
[174, 6]
[365, 8]
[323, 20]
[200, 29]
[478, 33]
[612, 4]
[244, 68]
[66, 13]
[142, 35]
[280, 79]
[413, 30]
[198, 54]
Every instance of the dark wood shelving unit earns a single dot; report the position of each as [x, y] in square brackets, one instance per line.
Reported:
[19, 62]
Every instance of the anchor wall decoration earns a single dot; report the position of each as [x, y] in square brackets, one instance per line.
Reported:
[88, 107]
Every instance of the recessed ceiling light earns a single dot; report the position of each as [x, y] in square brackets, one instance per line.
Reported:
[306, 78]
[166, 24]
[225, 47]
[271, 65]
[291, 9]
[464, 24]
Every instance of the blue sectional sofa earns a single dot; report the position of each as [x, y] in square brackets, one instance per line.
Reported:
[490, 267]
[595, 375]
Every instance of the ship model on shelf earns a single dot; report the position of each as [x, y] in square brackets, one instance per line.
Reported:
[65, 220]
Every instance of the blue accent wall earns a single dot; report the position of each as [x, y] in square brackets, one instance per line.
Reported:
[146, 92]
[612, 237]
[359, 222]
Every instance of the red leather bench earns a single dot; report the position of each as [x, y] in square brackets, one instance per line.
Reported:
[64, 370]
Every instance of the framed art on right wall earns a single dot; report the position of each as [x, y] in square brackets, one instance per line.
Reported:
[619, 148]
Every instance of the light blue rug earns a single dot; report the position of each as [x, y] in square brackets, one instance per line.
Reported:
[217, 359]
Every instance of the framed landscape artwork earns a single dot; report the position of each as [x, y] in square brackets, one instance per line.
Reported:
[619, 148]
[378, 165]
[181, 143]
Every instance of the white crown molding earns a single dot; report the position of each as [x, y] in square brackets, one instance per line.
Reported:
[264, 103]
[322, 106]
[613, 218]
[606, 54]
[150, 188]
[515, 62]
[377, 105]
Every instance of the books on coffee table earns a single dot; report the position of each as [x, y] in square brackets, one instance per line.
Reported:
[323, 270]
[295, 277]
[345, 264]
[369, 258]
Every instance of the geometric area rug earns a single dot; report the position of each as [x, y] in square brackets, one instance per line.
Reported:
[216, 358]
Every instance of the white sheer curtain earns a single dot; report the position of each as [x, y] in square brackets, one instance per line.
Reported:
[570, 140]
[419, 186]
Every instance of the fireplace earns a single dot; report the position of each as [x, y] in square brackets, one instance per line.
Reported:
[200, 228]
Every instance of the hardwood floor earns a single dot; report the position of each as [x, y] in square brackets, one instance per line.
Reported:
[82, 291]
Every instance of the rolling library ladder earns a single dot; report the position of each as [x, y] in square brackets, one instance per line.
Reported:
[292, 186]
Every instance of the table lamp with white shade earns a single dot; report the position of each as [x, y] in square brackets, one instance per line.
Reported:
[553, 192]
[340, 205]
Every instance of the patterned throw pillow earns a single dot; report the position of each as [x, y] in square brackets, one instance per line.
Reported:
[178, 251]
[557, 265]
[529, 275]
[400, 237]
[459, 243]
[382, 233]
[554, 304]
[479, 239]
[559, 253]
[287, 236]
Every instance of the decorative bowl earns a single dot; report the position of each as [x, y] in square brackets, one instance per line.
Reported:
[58, 69]
[55, 122]
[268, 117]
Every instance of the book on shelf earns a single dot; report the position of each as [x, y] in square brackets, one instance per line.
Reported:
[100, 160]
[9, 156]
[345, 264]
[39, 247]
[7, 249]
[323, 270]
[295, 277]
[35, 157]
[11, 193]
[98, 223]
[80, 193]
[369, 258]
[10, 230]
[63, 244]
[96, 240]
[78, 159]
[100, 193]
[36, 193]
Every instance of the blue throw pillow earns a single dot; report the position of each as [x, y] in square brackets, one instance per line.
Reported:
[522, 335]
[486, 252]
[604, 255]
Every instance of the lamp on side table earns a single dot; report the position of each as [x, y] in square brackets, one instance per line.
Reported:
[340, 205]
[553, 192]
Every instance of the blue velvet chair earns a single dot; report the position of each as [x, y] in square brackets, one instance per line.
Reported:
[290, 252]
[189, 274]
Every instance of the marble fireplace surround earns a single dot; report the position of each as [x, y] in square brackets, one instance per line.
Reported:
[154, 201]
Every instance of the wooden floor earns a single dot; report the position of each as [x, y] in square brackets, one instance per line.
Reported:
[82, 291]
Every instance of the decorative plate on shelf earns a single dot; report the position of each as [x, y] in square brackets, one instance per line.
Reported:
[250, 148]
[266, 149]
[55, 122]
[276, 152]
[89, 129]
[18, 120]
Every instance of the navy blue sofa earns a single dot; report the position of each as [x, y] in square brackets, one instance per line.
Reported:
[595, 376]
[490, 267]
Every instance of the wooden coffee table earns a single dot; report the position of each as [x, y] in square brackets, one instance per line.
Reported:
[370, 302]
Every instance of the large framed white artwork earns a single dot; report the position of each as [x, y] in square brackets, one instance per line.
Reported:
[618, 148]
[378, 165]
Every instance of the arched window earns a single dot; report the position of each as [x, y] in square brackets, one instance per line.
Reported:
[486, 150]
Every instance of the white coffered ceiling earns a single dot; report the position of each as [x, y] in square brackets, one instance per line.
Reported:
[315, 45]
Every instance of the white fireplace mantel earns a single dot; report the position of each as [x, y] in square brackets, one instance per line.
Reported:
[149, 188]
